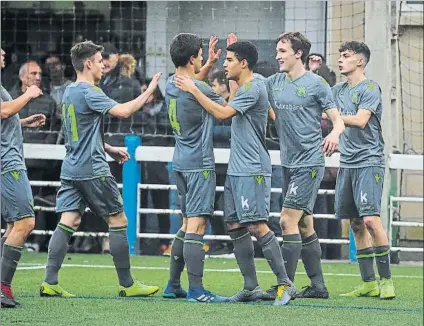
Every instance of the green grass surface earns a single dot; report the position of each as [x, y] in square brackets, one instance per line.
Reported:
[97, 302]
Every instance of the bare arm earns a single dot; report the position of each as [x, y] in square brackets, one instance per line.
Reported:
[336, 120]
[212, 58]
[34, 121]
[271, 114]
[217, 110]
[126, 110]
[330, 143]
[10, 108]
[359, 120]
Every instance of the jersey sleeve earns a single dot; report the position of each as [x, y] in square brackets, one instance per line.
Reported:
[370, 98]
[268, 83]
[246, 98]
[324, 95]
[98, 101]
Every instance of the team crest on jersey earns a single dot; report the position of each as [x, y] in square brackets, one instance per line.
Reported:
[371, 86]
[355, 98]
[259, 179]
[377, 177]
[204, 83]
[206, 174]
[248, 86]
[314, 173]
[301, 91]
[15, 175]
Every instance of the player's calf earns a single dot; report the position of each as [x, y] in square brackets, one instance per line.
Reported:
[12, 251]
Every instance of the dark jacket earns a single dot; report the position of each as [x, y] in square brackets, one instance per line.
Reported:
[48, 134]
[120, 88]
[46, 105]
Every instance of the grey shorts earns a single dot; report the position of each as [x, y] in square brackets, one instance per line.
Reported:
[247, 199]
[359, 191]
[101, 195]
[196, 192]
[300, 187]
[16, 196]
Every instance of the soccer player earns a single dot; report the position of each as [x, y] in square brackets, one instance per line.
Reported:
[85, 175]
[194, 167]
[299, 98]
[16, 195]
[248, 183]
[359, 184]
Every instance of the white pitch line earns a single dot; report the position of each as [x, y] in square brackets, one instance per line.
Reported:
[231, 270]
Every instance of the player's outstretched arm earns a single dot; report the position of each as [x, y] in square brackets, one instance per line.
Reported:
[126, 110]
[118, 154]
[10, 108]
[359, 120]
[34, 121]
[213, 57]
[330, 143]
[218, 111]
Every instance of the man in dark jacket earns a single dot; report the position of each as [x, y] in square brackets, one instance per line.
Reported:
[30, 74]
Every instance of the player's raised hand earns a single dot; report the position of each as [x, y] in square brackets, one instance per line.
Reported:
[33, 91]
[330, 144]
[118, 154]
[184, 83]
[231, 38]
[213, 55]
[315, 62]
[34, 121]
[154, 83]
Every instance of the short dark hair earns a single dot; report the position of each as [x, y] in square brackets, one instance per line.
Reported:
[80, 52]
[219, 75]
[245, 50]
[298, 42]
[183, 46]
[357, 48]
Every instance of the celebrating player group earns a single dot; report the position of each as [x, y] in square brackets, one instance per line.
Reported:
[296, 98]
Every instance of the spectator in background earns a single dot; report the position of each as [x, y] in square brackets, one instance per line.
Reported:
[58, 83]
[120, 85]
[325, 228]
[111, 71]
[30, 74]
[151, 123]
[316, 63]
[221, 137]
[127, 87]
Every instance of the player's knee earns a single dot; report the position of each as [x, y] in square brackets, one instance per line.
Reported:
[184, 225]
[372, 223]
[306, 225]
[357, 225]
[71, 219]
[196, 225]
[24, 227]
[117, 220]
[258, 229]
[283, 223]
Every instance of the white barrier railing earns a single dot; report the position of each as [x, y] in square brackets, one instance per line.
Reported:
[165, 154]
[392, 223]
